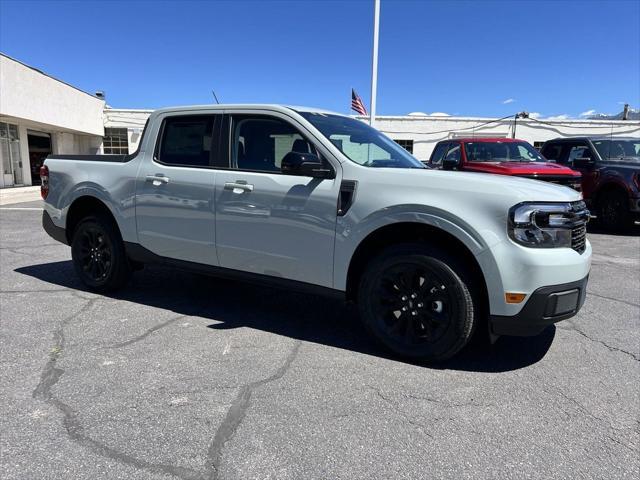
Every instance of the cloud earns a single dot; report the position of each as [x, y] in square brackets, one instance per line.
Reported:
[588, 113]
[508, 100]
[535, 115]
[563, 116]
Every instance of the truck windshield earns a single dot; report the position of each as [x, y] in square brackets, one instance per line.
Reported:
[501, 152]
[618, 150]
[361, 143]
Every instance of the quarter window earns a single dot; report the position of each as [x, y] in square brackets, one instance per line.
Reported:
[187, 141]
[454, 152]
[261, 143]
[438, 153]
[115, 141]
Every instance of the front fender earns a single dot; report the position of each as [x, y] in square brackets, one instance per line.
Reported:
[351, 232]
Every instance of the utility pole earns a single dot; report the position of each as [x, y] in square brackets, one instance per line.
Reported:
[374, 62]
[625, 112]
[515, 120]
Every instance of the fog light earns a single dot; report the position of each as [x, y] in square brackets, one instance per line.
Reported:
[514, 297]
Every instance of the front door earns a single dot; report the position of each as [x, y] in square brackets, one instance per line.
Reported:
[268, 222]
[589, 173]
[174, 194]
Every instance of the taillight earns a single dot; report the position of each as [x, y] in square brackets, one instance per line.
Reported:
[44, 179]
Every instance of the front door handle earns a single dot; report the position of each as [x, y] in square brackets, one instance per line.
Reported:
[157, 180]
[238, 186]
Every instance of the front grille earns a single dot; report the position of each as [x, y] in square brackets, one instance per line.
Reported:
[579, 229]
[579, 238]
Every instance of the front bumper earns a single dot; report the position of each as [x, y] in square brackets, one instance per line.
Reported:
[545, 306]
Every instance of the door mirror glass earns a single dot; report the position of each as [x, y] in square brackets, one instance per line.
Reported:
[305, 164]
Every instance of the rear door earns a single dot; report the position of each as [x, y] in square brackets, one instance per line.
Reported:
[175, 212]
[268, 222]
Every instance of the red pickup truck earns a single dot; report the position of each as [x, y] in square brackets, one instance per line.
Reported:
[502, 156]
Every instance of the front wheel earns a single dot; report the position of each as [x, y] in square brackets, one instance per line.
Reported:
[98, 254]
[416, 300]
[613, 211]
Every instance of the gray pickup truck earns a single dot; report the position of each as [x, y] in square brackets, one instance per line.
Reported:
[313, 200]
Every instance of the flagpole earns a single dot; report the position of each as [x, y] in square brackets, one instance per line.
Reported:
[374, 66]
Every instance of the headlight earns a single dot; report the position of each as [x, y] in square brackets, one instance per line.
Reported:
[546, 225]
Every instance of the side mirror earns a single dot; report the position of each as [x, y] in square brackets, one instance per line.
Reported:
[450, 163]
[305, 165]
[582, 162]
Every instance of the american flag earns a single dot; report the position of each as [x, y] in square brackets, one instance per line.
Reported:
[357, 104]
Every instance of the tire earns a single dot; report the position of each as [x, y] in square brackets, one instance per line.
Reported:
[613, 211]
[433, 324]
[98, 254]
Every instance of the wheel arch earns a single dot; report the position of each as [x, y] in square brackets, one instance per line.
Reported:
[83, 206]
[411, 232]
[608, 187]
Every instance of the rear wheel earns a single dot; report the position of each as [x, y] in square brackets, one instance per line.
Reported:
[416, 300]
[98, 254]
[613, 211]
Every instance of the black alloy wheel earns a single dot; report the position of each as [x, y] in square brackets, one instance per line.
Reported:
[416, 300]
[413, 303]
[613, 211]
[98, 254]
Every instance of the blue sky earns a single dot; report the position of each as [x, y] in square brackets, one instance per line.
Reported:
[469, 58]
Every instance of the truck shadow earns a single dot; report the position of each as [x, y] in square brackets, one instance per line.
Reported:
[229, 305]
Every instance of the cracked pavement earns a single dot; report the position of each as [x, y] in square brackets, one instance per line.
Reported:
[181, 376]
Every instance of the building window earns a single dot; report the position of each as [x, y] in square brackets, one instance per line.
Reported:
[406, 144]
[115, 141]
[10, 155]
[538, 145]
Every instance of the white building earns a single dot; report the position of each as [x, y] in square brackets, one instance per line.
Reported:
[40, 115]
[420, 133]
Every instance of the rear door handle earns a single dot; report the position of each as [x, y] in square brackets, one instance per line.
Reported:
[157, 179]
[238, 186]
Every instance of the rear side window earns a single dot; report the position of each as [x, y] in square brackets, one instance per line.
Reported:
[438, 153]
[187, 141]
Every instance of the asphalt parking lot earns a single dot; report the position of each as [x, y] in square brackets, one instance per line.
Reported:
[183, 376]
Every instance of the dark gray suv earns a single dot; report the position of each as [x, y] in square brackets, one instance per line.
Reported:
[610, 170]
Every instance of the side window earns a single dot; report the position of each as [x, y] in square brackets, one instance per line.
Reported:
[579, 151]
[186, 141]
[552, 151]
[260, 143]
[454, 152]
[438, 153]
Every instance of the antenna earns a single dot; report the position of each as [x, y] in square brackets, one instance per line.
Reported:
[215, 96]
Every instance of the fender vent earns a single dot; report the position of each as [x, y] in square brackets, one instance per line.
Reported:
[347, 195]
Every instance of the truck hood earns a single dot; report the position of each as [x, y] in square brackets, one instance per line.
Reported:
[510, 189]
[521, 168]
